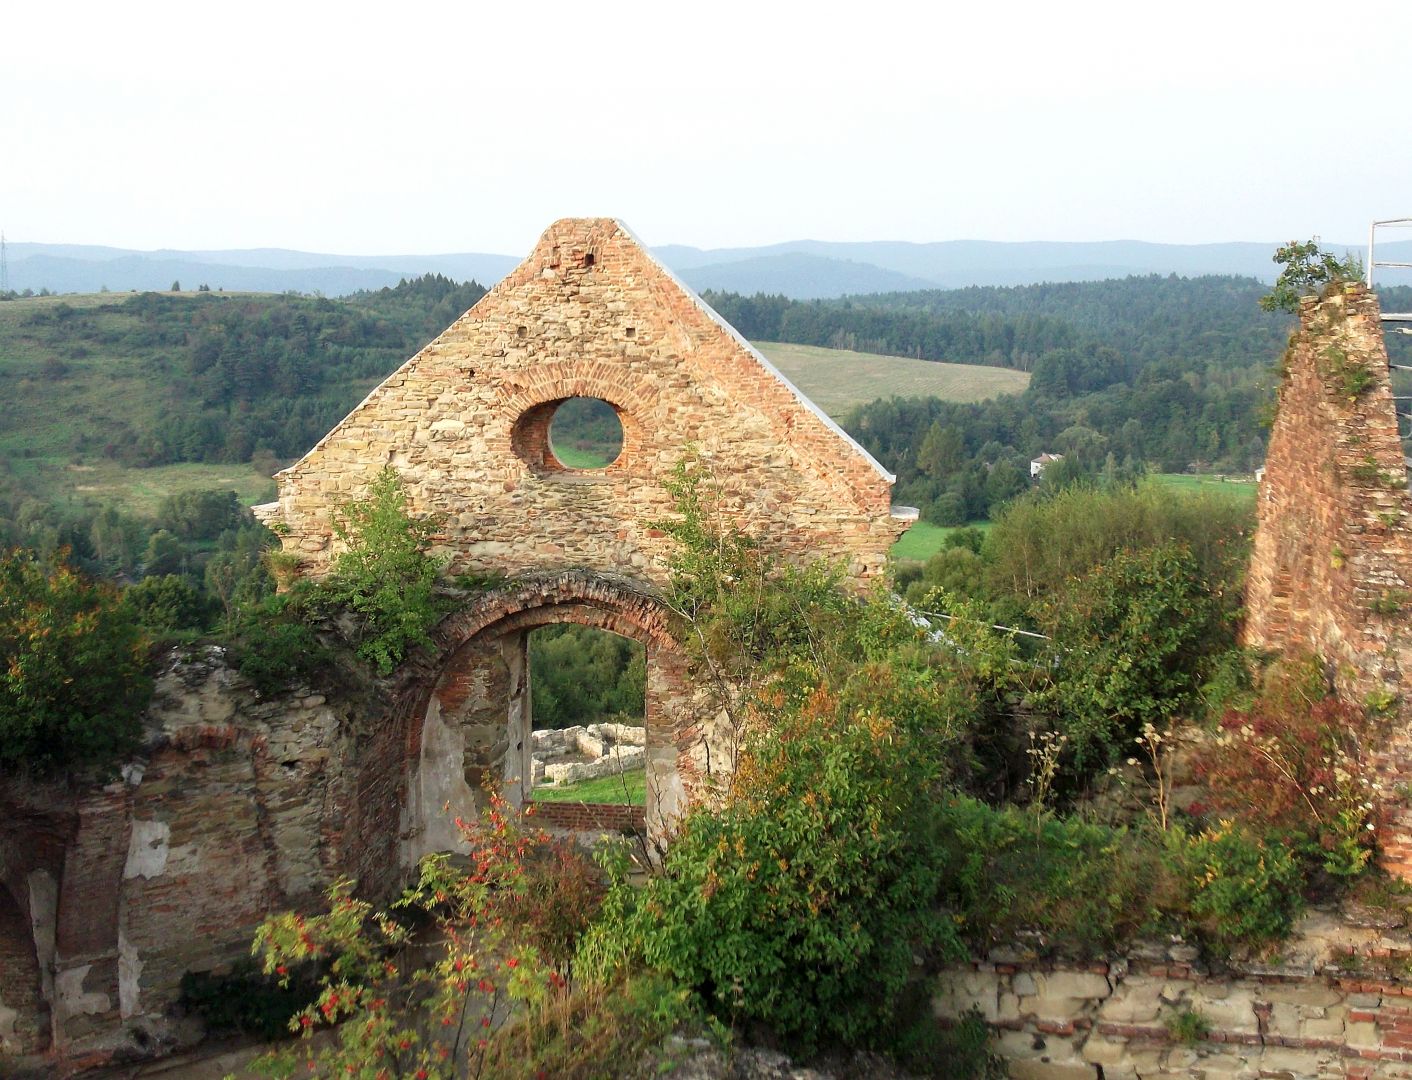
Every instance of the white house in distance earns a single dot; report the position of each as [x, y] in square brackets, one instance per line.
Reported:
[1037, 464]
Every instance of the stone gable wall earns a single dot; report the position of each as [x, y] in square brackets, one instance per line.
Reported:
[465, 422]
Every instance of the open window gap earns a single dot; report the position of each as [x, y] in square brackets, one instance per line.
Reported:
[588, 707]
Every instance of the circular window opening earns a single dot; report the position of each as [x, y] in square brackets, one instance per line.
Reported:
[585, 434]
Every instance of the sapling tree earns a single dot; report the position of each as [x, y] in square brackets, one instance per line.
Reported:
[386, 574]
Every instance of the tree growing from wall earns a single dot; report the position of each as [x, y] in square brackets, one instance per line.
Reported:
[1307, 269]
[387, 574]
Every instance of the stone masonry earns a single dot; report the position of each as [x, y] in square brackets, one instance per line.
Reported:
[591, 314]
[1331, 570]
[466, 424]
[1336, 1004]
[238, 806]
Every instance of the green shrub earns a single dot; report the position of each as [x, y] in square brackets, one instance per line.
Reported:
[274, 646]
[593, 1032]
[73, 684]
[1086, 888]
[1188, 1027]
[802, 902]
[1247, 891]
[1039, 546]
[959, 1050]
[1306, 270]
[169, 602]
[1135, 636]
[386, 574]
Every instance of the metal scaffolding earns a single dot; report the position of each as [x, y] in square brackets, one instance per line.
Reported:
[1394, 322]
[1374, 263]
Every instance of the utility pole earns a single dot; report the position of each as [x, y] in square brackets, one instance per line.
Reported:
[4, 265]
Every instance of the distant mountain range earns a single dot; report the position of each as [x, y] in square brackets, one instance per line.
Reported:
[803, 269]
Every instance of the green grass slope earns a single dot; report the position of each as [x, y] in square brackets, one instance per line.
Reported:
[838, 379]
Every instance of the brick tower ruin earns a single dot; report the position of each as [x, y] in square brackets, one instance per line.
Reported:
[1331, 570]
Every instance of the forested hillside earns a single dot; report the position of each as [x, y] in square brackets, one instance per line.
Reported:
[1152, 372]
[152, 379]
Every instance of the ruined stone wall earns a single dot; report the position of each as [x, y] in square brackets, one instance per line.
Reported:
[591, 313]
[1161, 1014]
[239, 806]
[478, 719]
[222, 818]
[24, 1014]
[1332, 566]
[1331, 570]
[590, 818]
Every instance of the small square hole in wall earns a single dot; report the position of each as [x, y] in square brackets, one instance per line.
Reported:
[588, 259]
[522, 331]
[632, 331]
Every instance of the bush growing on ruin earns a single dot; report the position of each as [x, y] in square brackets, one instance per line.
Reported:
[169, 602]
[1293, 766]
[1307, 269]
[802, 901]
[74, 683]
[1136, 637]
[469, 973]
[274, 645]
[1246, 890]
[386, 574]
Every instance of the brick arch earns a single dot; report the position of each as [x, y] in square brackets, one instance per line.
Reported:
[528, 407]
[616, 604]
[476, 715]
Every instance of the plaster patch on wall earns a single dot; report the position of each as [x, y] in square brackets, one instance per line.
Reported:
[666, 797]
[439, 791]
[129, 977]
[43, 915]
[72, 998]
[7, 1028]
[147, 849]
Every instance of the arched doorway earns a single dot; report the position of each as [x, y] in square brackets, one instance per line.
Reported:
[476, 728]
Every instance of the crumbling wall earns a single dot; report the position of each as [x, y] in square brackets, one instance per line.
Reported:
[1331, 569]
[1336, 1003]
[123, 887]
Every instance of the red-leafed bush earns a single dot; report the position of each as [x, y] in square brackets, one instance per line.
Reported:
[1295, 764]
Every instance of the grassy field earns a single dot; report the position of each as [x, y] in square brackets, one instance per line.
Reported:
[1236, 489]
[837, 379]
[923, 540]
[607, 789]
[141, 491]
[571, 457]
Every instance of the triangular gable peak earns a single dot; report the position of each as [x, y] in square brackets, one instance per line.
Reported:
[592, 314]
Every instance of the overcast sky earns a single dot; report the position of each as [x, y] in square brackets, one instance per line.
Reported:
[401, 128]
